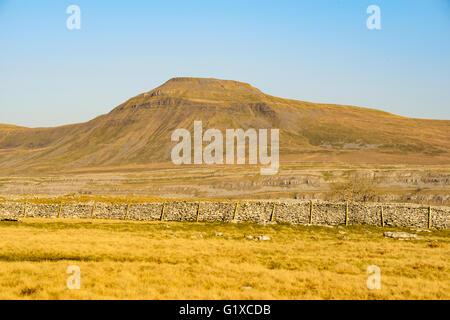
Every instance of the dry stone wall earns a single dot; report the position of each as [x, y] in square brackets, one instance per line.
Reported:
[289, 211]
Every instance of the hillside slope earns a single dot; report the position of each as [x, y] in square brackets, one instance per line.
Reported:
[138, 131]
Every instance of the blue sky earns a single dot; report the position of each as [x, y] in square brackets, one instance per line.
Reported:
[315, 50]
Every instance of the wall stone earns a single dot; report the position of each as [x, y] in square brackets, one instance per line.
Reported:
[288, 211]
[440, 217]
[253, 211]
[145, 211]
[406, 215]
[11, 209]
[328, 213]
[76, 210]
[370, 214]
[34, 210]
[216, 211]
[292, 211]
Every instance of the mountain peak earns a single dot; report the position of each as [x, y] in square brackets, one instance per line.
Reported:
[203, 88]
[139, 130]
[191, 81]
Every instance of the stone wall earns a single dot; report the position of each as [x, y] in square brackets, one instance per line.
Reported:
[289, 211]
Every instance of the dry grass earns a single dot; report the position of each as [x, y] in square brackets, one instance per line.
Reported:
[154, 260]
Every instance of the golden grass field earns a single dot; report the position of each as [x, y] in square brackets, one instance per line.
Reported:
[169, 260]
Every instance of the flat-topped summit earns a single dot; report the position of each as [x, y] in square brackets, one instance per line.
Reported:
[206, 84]
[208, 88]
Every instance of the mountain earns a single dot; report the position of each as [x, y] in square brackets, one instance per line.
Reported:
[138, 131]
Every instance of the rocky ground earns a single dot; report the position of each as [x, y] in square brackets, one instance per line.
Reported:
[426, 185]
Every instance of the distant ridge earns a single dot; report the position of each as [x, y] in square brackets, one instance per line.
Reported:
[138, 131]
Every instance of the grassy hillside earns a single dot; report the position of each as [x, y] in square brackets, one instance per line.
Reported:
[138, 131]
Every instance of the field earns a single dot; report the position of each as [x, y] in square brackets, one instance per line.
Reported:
[182, 260]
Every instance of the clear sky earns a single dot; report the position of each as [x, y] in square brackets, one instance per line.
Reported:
[313, 50]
